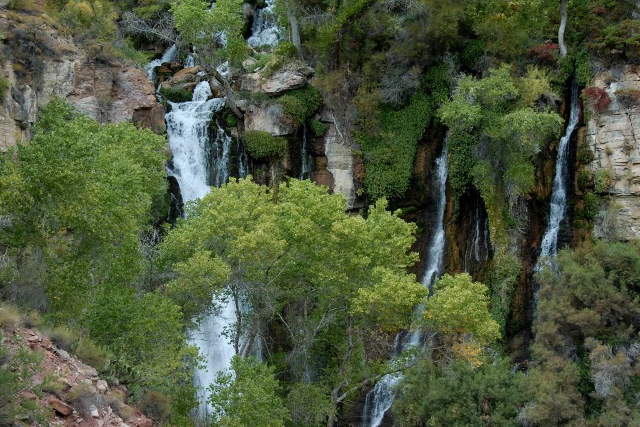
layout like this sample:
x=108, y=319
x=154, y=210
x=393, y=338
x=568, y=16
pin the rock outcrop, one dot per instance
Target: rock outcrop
x=40, y=63
x=292, y=76
x=74, y=394
x=613, y=136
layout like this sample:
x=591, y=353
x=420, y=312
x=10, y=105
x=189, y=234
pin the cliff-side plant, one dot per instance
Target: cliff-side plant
x=598, y=98
x=262, y=144
x=318, y=128
x=300, y=104
x=4, y=86
x=176, y=94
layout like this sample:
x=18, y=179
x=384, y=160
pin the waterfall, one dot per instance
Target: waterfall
x=265, y=31
x=168, y=56
x=558, y=206
x=221, y=153
x=478, y=249
x=379, y=400
x=188, y=131
x=305, y=156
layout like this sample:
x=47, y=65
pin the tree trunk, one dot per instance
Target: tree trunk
x=563, y=26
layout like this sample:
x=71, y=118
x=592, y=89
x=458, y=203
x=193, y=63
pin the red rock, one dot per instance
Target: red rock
x=59, y=406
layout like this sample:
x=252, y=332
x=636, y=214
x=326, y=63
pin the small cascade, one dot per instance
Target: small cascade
x=265, y=31
x=220, y=159
x=243, y=161
x=379, y=400
x=305, y=157
x=168, y=56
x=558, y=206
x=188, y=132
x=190, y=61
x=478, y=248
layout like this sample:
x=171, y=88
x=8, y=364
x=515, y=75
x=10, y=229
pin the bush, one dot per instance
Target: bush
x=262, y=144
x=598, y=98
x=91, y=354
x=9, y=317
x=84, y=397
x=318, y=128
x=176, y=94
x=300, y=104
x=26, y=5
x=64, y=338
x=4, y=86
x=155, y=405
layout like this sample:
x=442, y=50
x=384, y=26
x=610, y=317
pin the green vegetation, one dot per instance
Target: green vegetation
x=497, y=112
x=249, y=396
x=5, y=85
x=176, y=94
x=584, y=349
x=262, y=144
x=300, y=104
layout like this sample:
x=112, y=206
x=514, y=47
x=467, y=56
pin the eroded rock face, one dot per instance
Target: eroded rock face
x=614, y=136
x=340, y=164
x=41, y=64
x=268, y=118
x=293, y=76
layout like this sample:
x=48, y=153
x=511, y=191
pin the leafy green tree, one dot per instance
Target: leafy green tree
x=585, y=363
x=248, y=396
x=299, y=260
x=460, y=306
x=200, y=25
x=495, y=131
x=459, y=394
x=81, y=192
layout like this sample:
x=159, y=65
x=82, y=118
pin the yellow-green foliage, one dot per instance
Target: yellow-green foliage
x=262, y=144
x=460, y=306
x=155, y=405
x=9, y=316
x=4, y=86
x=64, y=338
x=91, y=354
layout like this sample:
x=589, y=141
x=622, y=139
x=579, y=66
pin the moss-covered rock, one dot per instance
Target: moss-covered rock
x=262, y=144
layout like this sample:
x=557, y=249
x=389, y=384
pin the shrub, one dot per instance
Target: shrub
x=598, y=98
x=9, y=317
x=91, y=354
x=318, y=128
x=546, y=53
x=33, y=319
x=64, y=338
x=84, y=396
x=300, y=104
x=176, y=94
x=155, y=405
x=4, y=86
x=262, y=144
x=21, y=5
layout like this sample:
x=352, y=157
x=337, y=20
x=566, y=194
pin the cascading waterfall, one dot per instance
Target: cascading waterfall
x=558, y=206
x=478, y=249
x=168, y=56
x=380, y=399
x=188, y=131
x=265, y=31
x=305, y=156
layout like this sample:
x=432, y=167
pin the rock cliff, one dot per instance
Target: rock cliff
x=613, y=135
x=40, y=63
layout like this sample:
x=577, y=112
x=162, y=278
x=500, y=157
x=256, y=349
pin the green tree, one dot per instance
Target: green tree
x=248, y=396
x=299, y=260
x=460, y=306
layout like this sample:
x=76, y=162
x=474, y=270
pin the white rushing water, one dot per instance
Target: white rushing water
x=265, y=31
x=478, y=249
x=188, y=132
x=305, y=157
x=558, y=206
x=380, y=399
x=168, y=56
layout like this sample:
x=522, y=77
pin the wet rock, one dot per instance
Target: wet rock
x=292, y=76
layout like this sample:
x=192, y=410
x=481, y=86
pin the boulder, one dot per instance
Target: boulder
x=59, y=406
x=151, y=118
x=268, y=118
x=185, y=75
x=291, y=76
